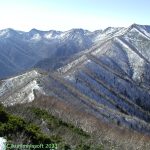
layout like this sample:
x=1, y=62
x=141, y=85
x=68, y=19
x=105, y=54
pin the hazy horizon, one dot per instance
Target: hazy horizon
x=64, y=15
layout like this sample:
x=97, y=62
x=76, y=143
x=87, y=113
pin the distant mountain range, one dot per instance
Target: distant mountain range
x=105, y=73
x=20, y=50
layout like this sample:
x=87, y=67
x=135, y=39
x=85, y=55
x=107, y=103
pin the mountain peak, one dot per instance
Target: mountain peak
x=7, y=32
x=34, y=30
x=78, y=30
x=134, y=25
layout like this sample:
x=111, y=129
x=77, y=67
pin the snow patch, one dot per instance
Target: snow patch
x=2, y=143
x=36, y=37
x=48, y=36
x=4, y=33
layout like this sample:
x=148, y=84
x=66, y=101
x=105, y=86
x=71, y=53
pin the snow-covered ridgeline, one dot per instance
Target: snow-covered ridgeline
x=25, y=94
x=135, y=60
x=11, y=83
x=21, y=88
x=142, y=33
x=142, y=30
x=110, y=33
x=71, y=65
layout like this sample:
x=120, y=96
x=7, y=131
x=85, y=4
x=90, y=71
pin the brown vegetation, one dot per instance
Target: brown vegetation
x=109, y=135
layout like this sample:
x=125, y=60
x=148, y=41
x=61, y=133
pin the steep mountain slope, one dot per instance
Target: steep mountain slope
x=68, y=105
x=109, y=81
x=113, y=75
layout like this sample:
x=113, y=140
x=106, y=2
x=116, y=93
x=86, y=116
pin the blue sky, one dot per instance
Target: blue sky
x=67, y=14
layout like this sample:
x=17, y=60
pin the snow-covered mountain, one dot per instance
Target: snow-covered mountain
x=110, y=80
x=20, y=50
x=20, y=89
x=114, y=75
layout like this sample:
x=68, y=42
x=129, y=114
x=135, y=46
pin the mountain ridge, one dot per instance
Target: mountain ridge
x=102, y=74
x=38, y=47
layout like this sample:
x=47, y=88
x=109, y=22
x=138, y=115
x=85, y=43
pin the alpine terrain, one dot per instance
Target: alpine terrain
x=91, y=90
